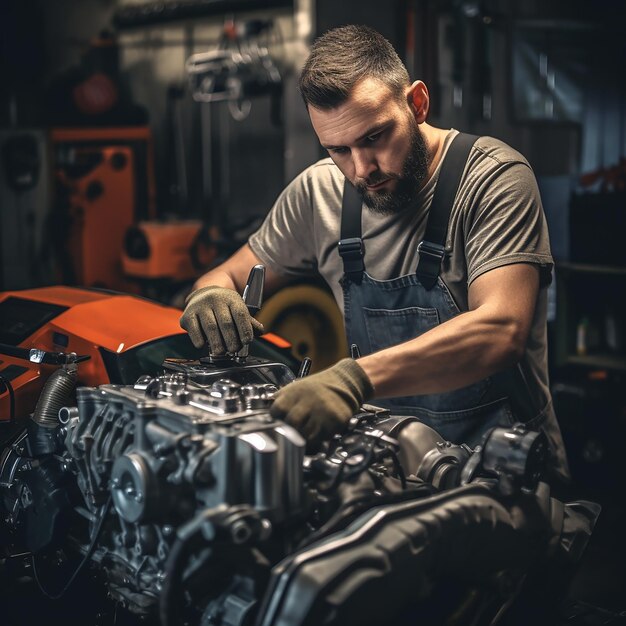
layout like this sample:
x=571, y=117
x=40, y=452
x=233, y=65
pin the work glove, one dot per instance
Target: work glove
x=322, y=404
x=219, y=317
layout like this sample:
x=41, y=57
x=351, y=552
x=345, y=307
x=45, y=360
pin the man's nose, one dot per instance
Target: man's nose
x=364, y=163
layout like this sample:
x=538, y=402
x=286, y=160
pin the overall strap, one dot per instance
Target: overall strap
x=350, y=244
x=432, y=247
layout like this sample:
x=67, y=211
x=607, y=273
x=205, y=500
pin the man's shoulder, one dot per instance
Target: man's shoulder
x=324, y=168
x=492, y=151
x=321, y=181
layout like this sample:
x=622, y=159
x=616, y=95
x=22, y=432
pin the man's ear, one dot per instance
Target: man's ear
x=418, y=100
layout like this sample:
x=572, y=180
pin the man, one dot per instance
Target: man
x=461, y=342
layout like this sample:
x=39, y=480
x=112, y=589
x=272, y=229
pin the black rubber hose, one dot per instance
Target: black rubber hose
x=54, y=396
x=190, y=538
x=170, y=611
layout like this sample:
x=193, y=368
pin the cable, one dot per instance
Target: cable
x=88, y=555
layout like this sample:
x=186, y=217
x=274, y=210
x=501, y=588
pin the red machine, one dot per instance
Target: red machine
x=168, y=250
x=100, y=210
x=104, y=185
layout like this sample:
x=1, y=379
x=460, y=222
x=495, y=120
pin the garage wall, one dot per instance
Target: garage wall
x=233, y=168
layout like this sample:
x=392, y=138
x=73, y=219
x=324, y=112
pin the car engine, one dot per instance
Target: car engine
x=196, y=506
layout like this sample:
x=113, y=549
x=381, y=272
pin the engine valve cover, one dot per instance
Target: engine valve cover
x=208, y=444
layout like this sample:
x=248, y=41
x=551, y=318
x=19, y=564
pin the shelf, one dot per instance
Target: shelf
x=602, y=361
x=153, y=13
x=590, y=268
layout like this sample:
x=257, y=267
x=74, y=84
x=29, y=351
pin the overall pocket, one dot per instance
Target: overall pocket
x=387, y=327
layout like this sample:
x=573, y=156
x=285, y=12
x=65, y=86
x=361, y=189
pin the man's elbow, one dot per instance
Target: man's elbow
x=513, y=342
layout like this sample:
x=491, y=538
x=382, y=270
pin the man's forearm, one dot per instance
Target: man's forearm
x=457, y=353
x=231, y=274
x=217, y=277
x=234, y=272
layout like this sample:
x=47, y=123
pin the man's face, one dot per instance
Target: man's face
x=375, y=141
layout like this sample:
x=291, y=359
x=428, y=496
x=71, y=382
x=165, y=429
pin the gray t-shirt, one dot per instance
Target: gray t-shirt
x=497, y=219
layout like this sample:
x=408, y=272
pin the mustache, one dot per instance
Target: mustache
x=375, y=178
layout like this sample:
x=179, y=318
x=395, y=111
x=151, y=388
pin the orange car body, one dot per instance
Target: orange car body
x=123, y=336
x=87, y=321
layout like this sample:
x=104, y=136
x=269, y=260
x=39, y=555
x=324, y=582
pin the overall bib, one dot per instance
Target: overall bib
x=382, y=313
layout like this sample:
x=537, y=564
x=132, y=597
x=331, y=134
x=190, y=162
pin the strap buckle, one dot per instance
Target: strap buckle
x=429, y=264
x=351, y=248
x=352, y=251
x=434, y=251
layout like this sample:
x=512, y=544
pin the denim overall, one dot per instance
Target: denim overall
x=383, y=313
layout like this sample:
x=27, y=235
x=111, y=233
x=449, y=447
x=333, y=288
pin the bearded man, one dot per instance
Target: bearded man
x=434, y=244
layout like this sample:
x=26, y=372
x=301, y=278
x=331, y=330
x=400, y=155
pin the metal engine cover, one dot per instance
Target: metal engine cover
x=167, y=444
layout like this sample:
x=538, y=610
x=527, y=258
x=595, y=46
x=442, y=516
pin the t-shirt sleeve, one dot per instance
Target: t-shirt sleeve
x=284, y=241
x=506, y=224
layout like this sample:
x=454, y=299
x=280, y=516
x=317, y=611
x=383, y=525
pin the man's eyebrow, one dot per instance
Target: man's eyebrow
x=370, y=131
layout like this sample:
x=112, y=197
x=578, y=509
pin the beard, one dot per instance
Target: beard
x=409, y=180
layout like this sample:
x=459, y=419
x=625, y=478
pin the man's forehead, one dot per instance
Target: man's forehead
x=371, y=90
x=371, y=102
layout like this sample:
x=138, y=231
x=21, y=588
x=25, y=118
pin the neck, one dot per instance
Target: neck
x=434, y=138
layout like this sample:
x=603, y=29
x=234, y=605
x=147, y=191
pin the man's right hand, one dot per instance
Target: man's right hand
x=219, y=317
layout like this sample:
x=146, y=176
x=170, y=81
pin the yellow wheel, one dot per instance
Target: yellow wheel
x=308, y=317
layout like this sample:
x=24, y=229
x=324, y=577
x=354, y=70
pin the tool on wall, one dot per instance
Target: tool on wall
x=239, y=69
x=181, y=246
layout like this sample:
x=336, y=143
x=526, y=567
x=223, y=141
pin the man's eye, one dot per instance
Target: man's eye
x=340, y=150
x=373, y=138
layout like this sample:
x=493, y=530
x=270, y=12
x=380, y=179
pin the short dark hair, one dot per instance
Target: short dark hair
x=342, y=57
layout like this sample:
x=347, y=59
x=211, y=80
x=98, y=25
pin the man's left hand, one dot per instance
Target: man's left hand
x=321, y=405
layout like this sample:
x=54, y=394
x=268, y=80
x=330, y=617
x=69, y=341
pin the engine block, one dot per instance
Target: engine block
x=167, y=444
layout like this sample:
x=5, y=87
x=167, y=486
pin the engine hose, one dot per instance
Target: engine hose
x=54, y=396
x=182, y=549
x=189, y=539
